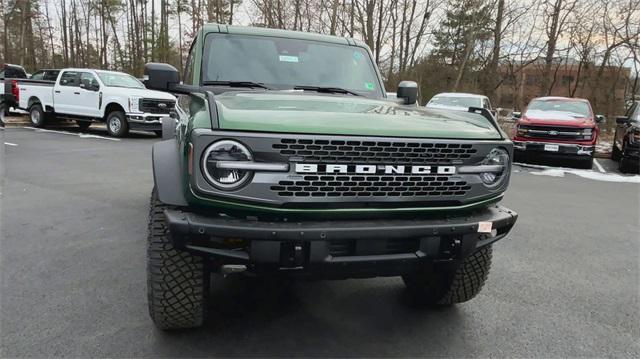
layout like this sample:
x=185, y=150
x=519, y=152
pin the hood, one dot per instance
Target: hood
x=555, y=118
x=446, y=107
x=150, y=94
x=305, y=112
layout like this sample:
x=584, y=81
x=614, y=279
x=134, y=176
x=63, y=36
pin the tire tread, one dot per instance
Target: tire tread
x=175, y=278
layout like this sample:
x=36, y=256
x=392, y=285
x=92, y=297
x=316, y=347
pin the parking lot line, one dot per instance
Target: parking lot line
x=10, y=144
x=600, y=168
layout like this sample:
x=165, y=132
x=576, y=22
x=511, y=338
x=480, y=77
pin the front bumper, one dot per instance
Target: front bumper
x=348, y=248
x=146, y=121
x=564, y=149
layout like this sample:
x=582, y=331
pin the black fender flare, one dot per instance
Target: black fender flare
x=167, y=173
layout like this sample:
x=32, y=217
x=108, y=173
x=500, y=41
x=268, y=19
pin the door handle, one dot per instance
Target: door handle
x=76, y=93
x=57, y=91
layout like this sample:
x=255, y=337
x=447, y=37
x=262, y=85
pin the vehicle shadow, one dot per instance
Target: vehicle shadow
x=99, y=130
x=550, y=161
x=353, y=318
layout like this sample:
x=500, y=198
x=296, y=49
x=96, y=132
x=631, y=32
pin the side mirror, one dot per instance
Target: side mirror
x=408, y=90
x=516, y=115
x=159, y=76
x=600, y=118
x=620, y=120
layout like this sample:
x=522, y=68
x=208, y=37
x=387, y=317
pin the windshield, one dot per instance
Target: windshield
x=285, y=63
x=455, y=101
x=574, y=108
x=112, y=79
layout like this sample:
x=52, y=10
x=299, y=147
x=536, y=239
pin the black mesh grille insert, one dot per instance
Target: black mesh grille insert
x=345, y=248
x=348, y=151
x=340, y=185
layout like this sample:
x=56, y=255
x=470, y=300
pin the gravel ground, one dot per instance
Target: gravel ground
x=565, y=283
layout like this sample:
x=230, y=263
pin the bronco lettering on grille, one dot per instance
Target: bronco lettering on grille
x=373, y=169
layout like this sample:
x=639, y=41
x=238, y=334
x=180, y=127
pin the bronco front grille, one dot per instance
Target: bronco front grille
x=387, y=152
x=341, y=185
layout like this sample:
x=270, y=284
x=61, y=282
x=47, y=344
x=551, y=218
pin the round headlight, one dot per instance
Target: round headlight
x=226, y=150
x=497, y=157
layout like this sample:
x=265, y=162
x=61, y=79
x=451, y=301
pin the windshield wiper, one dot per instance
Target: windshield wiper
x=237, y=84
x=327, y=90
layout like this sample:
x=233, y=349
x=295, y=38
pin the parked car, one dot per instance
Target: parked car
x=558, y=127
x=459, y=101
x=290, y=160
x=47, y=75
x=626, y=141
x=8, y=88
x=87, y=95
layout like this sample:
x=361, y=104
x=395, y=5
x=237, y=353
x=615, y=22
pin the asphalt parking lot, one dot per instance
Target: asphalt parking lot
x=566, y=283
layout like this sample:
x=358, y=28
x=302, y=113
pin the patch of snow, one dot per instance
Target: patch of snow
x=588, y=174
x=604, y=147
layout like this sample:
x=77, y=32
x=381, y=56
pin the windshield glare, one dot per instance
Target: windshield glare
x=455, y=101
x=576, y=108
x=120, y=80
x=284, y=63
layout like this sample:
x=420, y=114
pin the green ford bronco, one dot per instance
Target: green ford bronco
x=285, y=157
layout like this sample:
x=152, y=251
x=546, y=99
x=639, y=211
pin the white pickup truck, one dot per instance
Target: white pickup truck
x=87, y=96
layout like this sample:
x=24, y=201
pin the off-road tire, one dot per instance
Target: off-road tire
x=447, y=288
x=120, y=130
x=83, y=125
x=616, y=154
x=176, y=279
x=37, y=116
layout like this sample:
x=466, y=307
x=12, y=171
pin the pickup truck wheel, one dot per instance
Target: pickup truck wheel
x=626, y=165
x=446, y=288
x=176, y=280
x=615, y=152
x=117, y=125
x=586, y=163
x=37, y=115
x=3, y=113
x=83, y=124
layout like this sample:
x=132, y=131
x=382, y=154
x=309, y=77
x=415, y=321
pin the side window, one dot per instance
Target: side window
x=486, y=104
x=70, y=78
x=191, y=59
x=38, y=76
x=635, y=115
x=87, y=79
x=51, y=75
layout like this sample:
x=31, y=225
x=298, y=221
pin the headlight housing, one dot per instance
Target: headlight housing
x=521, y=130
x=226, y=150
x=134, y=104
x=587, y=133
x=497, y=157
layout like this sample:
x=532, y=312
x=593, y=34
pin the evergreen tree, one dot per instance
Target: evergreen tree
x=466, y=23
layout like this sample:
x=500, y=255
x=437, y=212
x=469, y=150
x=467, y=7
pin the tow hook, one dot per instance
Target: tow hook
x=232, y=269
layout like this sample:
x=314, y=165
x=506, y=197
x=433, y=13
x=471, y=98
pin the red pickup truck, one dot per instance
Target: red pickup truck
x=559, y=127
